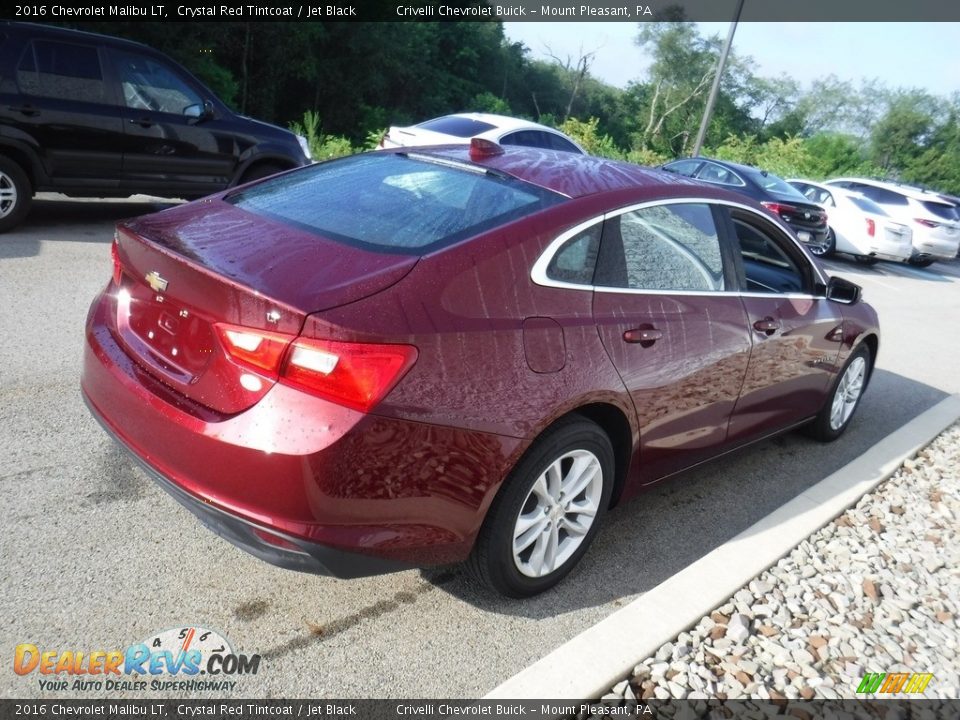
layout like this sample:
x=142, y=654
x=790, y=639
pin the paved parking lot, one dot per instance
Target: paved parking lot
x=95, y=557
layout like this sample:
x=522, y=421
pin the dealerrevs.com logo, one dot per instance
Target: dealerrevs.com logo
x=179, y=659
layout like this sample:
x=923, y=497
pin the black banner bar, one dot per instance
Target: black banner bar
x=253, y=709
x=487, y=10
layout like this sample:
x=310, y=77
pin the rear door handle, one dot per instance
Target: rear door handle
x=28, y=110
x=644, y=336
x=142, y=122
x=768, y=325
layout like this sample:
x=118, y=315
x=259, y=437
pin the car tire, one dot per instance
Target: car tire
x=260, y=171
x=844, y=397
x=922, y=262
x=526, y=545
x=16, y=195
x=865, y=260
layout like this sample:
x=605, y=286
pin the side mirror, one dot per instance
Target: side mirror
x=843, y=291
x=199, y=112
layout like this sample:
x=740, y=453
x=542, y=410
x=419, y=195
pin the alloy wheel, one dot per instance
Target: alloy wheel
x=848, y=393
x=557, y=513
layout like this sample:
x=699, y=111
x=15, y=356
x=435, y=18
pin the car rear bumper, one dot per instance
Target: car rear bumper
x=303, y=556
x=942, y=249
x=298, y=481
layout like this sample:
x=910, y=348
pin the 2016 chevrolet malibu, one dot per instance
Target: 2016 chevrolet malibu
x=403, y=359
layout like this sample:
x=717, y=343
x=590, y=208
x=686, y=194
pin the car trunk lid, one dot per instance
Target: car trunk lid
x=195, y=279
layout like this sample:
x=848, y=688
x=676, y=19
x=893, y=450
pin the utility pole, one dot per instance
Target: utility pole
x=715, y=89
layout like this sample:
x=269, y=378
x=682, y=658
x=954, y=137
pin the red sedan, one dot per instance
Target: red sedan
x=418, y=357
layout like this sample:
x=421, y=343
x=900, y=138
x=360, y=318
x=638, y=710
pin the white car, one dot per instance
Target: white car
x=858, y=226
x=936, y=230
x=461, y=128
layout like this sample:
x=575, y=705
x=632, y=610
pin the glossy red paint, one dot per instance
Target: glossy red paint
x=499, y=359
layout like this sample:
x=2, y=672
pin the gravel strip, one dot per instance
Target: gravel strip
x=875, y=591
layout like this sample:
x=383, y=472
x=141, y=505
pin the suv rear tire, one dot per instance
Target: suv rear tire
x=15, y=194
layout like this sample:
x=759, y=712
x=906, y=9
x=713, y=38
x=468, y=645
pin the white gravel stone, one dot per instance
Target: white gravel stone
x=822, y=589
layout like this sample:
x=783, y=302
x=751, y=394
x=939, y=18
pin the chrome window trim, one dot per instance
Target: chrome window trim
x=538, y=274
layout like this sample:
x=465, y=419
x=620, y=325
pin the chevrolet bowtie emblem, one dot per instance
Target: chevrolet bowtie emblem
x=155, y=281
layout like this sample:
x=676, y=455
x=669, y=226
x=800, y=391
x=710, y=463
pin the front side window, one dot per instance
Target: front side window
x=711, y=172
x=65, y=71
x=683, y=167
x=664, y=247
x=769, y=268
x=150, y=85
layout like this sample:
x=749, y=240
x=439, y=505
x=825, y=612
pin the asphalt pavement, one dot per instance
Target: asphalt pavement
x=94, y=556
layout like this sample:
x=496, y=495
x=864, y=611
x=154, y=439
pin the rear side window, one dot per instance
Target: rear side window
x=664, y=247
x=576, y=260
x=882, y=195
x=61, y=70
x=457, y=126
x=394, y=203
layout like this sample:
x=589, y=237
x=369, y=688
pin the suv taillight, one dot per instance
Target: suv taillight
x=356, y=375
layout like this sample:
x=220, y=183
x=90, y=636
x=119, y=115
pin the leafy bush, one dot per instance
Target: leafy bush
x=322, y=147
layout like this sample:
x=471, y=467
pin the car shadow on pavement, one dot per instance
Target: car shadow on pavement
x=58, y=218
x=648, y=539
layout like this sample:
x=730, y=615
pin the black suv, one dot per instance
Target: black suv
x=807, y=220
x=95, y=116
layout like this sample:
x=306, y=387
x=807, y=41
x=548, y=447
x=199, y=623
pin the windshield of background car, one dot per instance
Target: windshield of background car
x=457, y=126
x=777, y=186
x=394, y=202
x=867, y=205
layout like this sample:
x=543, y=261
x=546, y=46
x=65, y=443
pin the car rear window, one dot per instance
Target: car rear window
x=394, y=202
x=457, y=126
x=941, y=210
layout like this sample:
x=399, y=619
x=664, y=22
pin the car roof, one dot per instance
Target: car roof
x=52, y=31
x=569, y=174
x=905, y=190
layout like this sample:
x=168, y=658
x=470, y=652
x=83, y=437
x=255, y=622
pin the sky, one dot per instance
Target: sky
x=925, y=55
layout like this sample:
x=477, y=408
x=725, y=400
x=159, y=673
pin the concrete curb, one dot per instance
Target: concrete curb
x=591, y=663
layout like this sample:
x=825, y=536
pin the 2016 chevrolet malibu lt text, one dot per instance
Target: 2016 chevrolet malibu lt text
x=411, y=358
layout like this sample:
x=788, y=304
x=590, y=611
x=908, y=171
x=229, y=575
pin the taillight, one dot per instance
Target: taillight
x=482, y=148
x=871, y=227
x=358, y=375
x=779, y=208
x=259, y=349
x=117, y=267
x=927, y=223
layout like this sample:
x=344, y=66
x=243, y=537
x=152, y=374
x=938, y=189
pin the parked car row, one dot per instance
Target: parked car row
x=869, y=219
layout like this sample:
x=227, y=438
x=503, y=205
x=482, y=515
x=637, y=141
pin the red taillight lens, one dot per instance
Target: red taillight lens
x=357, y=375
x=117, y=267
x=779, y=208
x=482, y=148
x=259, y=349
x=871, y=227
x=927, y=223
